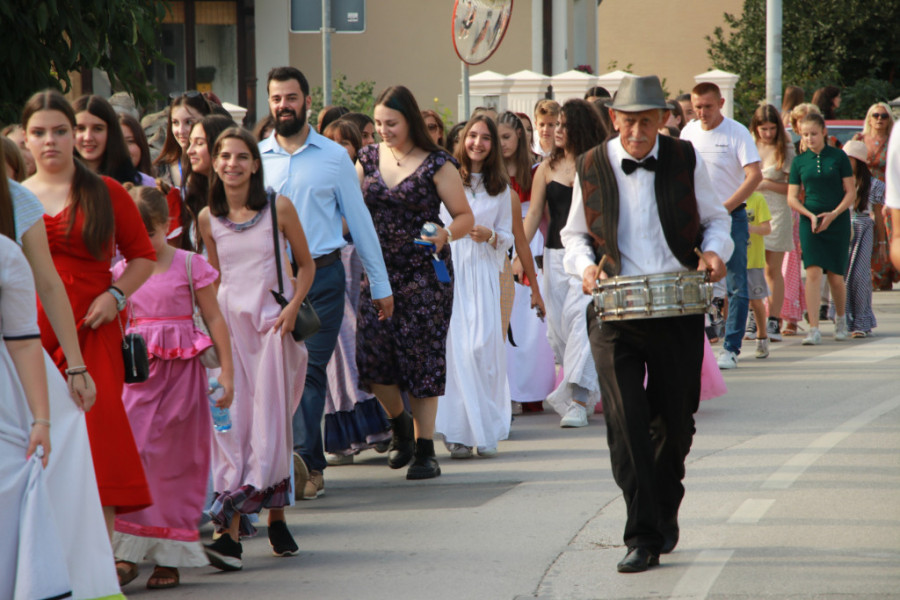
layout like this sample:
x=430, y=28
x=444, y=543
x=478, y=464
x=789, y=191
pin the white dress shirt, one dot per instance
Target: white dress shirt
x=642, y=242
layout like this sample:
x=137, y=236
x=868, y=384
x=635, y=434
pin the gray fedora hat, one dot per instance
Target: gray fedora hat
x=637, y=94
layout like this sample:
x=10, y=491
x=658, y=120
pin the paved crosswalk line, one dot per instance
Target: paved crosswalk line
x=785, y=476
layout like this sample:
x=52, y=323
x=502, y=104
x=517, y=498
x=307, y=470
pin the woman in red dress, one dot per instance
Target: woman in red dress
x=85, y=215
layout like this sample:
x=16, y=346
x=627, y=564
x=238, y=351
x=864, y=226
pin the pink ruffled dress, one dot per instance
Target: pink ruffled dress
x=170, y=418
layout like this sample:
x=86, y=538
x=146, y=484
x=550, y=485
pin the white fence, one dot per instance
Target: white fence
x=520, y=91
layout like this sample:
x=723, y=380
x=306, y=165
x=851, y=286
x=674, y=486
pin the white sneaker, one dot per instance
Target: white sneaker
x=813, y=338
x=485, y=452
x=576, y=416
x=727, y=360
x=762, y=347
x=459, y=450
x=840, y=329
x=336, y=460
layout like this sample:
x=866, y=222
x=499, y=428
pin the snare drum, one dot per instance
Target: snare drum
x=653, y=296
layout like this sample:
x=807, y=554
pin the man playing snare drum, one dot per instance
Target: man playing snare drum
x=646, y=204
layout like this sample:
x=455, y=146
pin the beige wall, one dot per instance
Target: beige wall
x=660, y=37
x=408, y=42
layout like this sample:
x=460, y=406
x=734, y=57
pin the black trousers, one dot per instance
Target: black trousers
x=649, y=430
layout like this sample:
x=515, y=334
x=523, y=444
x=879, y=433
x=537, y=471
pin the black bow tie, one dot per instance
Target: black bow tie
x=629, y=166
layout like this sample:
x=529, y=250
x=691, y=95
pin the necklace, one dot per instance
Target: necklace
x=402, y=157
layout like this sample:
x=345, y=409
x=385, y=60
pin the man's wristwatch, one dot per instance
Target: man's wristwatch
x=119, y=295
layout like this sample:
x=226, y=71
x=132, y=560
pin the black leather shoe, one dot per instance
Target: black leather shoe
x=425, y=466
x=669, y=530
x=403, y=445
x=637, y=560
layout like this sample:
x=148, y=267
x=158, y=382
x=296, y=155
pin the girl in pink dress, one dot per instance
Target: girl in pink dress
x=168, y=413
x=252, y=463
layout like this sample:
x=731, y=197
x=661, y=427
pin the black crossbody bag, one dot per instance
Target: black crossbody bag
x=307, y=322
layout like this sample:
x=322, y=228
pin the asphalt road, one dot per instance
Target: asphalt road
x=793, y=492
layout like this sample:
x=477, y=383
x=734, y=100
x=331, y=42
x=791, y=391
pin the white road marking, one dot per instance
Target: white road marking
x=860, y=353
x=797, y=464
x=751, y=511
x=701, y=575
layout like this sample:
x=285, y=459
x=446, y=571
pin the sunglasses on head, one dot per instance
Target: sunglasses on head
x=187, y=94
x=879, y=115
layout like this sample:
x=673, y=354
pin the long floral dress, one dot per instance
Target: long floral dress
x=407, y=350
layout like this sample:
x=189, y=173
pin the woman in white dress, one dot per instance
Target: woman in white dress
x=475, y=410
x=579, y=130
x=28, y=568
x=531, y=369
x=70, y=478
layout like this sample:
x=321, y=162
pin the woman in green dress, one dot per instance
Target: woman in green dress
x=826, y=178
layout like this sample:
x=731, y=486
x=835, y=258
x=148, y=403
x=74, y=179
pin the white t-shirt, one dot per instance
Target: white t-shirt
x=892, y=173
x=726, y=150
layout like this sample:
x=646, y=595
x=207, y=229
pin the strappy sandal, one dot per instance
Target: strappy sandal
x=167, y=574
x=126, y=571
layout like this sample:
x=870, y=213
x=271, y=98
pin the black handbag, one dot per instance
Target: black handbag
x=134, y=355
x=307, y=323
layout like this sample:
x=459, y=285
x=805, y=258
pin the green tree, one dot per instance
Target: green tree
x=46, y=40
x=359, y=97
x=824, y=42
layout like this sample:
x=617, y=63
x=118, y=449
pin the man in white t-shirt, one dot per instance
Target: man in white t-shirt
x=733, y=164
x=892, y=195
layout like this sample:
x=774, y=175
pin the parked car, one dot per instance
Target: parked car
x=842, y=129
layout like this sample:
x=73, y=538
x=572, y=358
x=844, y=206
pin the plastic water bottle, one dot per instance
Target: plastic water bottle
x=429, y=230
x=221, y=417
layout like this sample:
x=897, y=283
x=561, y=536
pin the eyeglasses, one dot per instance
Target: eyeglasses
x=434, y=127
x=187, y=94
x=879, y=116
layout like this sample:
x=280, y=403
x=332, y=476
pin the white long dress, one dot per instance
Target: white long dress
x=32, y=564
x=530, y=366
x=475, y=409
x=69, y=476
x=567, y=332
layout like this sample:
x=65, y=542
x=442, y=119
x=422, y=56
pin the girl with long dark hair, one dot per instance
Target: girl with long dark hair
x=777, y=153
x=530, y=367
x=99, y=140
x=869, y=194
x=270, y=367
x=86, y=216
x=579, y=130
x=138, y=148
x=198, y=171
x=405, y=181
x=474, y=410
x=184, y=112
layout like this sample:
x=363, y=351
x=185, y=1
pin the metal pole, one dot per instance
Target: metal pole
x=326, y=52
x=465, y=91
x=773, y=52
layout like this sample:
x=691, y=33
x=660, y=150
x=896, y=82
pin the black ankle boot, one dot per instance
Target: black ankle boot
x=425, y=466
x=402, y=447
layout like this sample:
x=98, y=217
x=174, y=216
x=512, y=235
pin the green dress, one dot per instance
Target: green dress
x=821, y=176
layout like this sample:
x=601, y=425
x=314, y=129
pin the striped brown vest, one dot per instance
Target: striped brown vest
x=675, y=201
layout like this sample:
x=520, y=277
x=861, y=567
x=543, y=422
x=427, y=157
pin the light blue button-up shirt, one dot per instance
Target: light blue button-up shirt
x=320, y=180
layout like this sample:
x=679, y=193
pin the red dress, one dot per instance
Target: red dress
x=120, y=476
